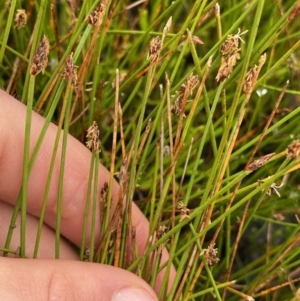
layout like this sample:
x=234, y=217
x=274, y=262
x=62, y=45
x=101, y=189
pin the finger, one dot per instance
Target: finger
x=69, y=280
x=12, y=119
x=47, y=241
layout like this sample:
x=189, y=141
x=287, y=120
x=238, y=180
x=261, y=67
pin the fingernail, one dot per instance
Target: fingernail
x=132, y=294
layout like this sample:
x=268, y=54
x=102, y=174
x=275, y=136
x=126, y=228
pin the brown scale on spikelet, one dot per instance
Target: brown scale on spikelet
x=40, y=59
x=293, y=150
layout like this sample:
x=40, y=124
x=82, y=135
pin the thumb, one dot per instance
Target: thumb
x=29, y=279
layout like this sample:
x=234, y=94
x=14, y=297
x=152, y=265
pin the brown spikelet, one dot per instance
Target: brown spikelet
x=197, y=41
x=40, y=59
x=210, y=255
x=252, y=75
x=93, y=134
x=226, y=67
x=103, y=194
x=70, y=70
x=185, y=212
x=190, y=84
x=96, y=17
x=154, y=49
x=123, y=171
x=231, y=44
x=250, y=80
x=293, y=150
x=259, y=162
x=20, y=18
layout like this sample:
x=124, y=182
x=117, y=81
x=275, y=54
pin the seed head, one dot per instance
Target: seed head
x=20, y=18
x=185, y=212
x=154, y=49
x=96, y=17
x=40, y=59
x=210, y=255
x=70, y=70
x=260, y=162
x=226, y=67
x=93, y=134
x=293, y=150
x=231, y=44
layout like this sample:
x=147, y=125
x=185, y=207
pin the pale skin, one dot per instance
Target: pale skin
x=47, y=278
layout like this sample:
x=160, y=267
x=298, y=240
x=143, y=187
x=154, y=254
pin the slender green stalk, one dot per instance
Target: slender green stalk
x=65, y=114
x=26, y=167
x=8, y=27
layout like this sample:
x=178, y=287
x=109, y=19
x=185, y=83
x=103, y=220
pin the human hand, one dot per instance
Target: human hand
x=47, y=278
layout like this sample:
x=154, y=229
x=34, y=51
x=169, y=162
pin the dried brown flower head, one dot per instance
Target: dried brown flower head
x=93, y=134
x=177, y=106
x=250, y=80
x=96, y=17
x=191, y=82
x=231, y=44
x=187, y=87
x=123, y=171
x=260, y=162
x=20, y=18
x=293, y=150
x=162, y=229
x=154, y=49
x=185, y=212
x=226, y=67
x=103, y=193
x=70, y=70
x=210, y=255
x=252, y=75
x=40, y=59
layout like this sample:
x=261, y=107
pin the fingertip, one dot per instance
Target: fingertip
x=69, y=280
